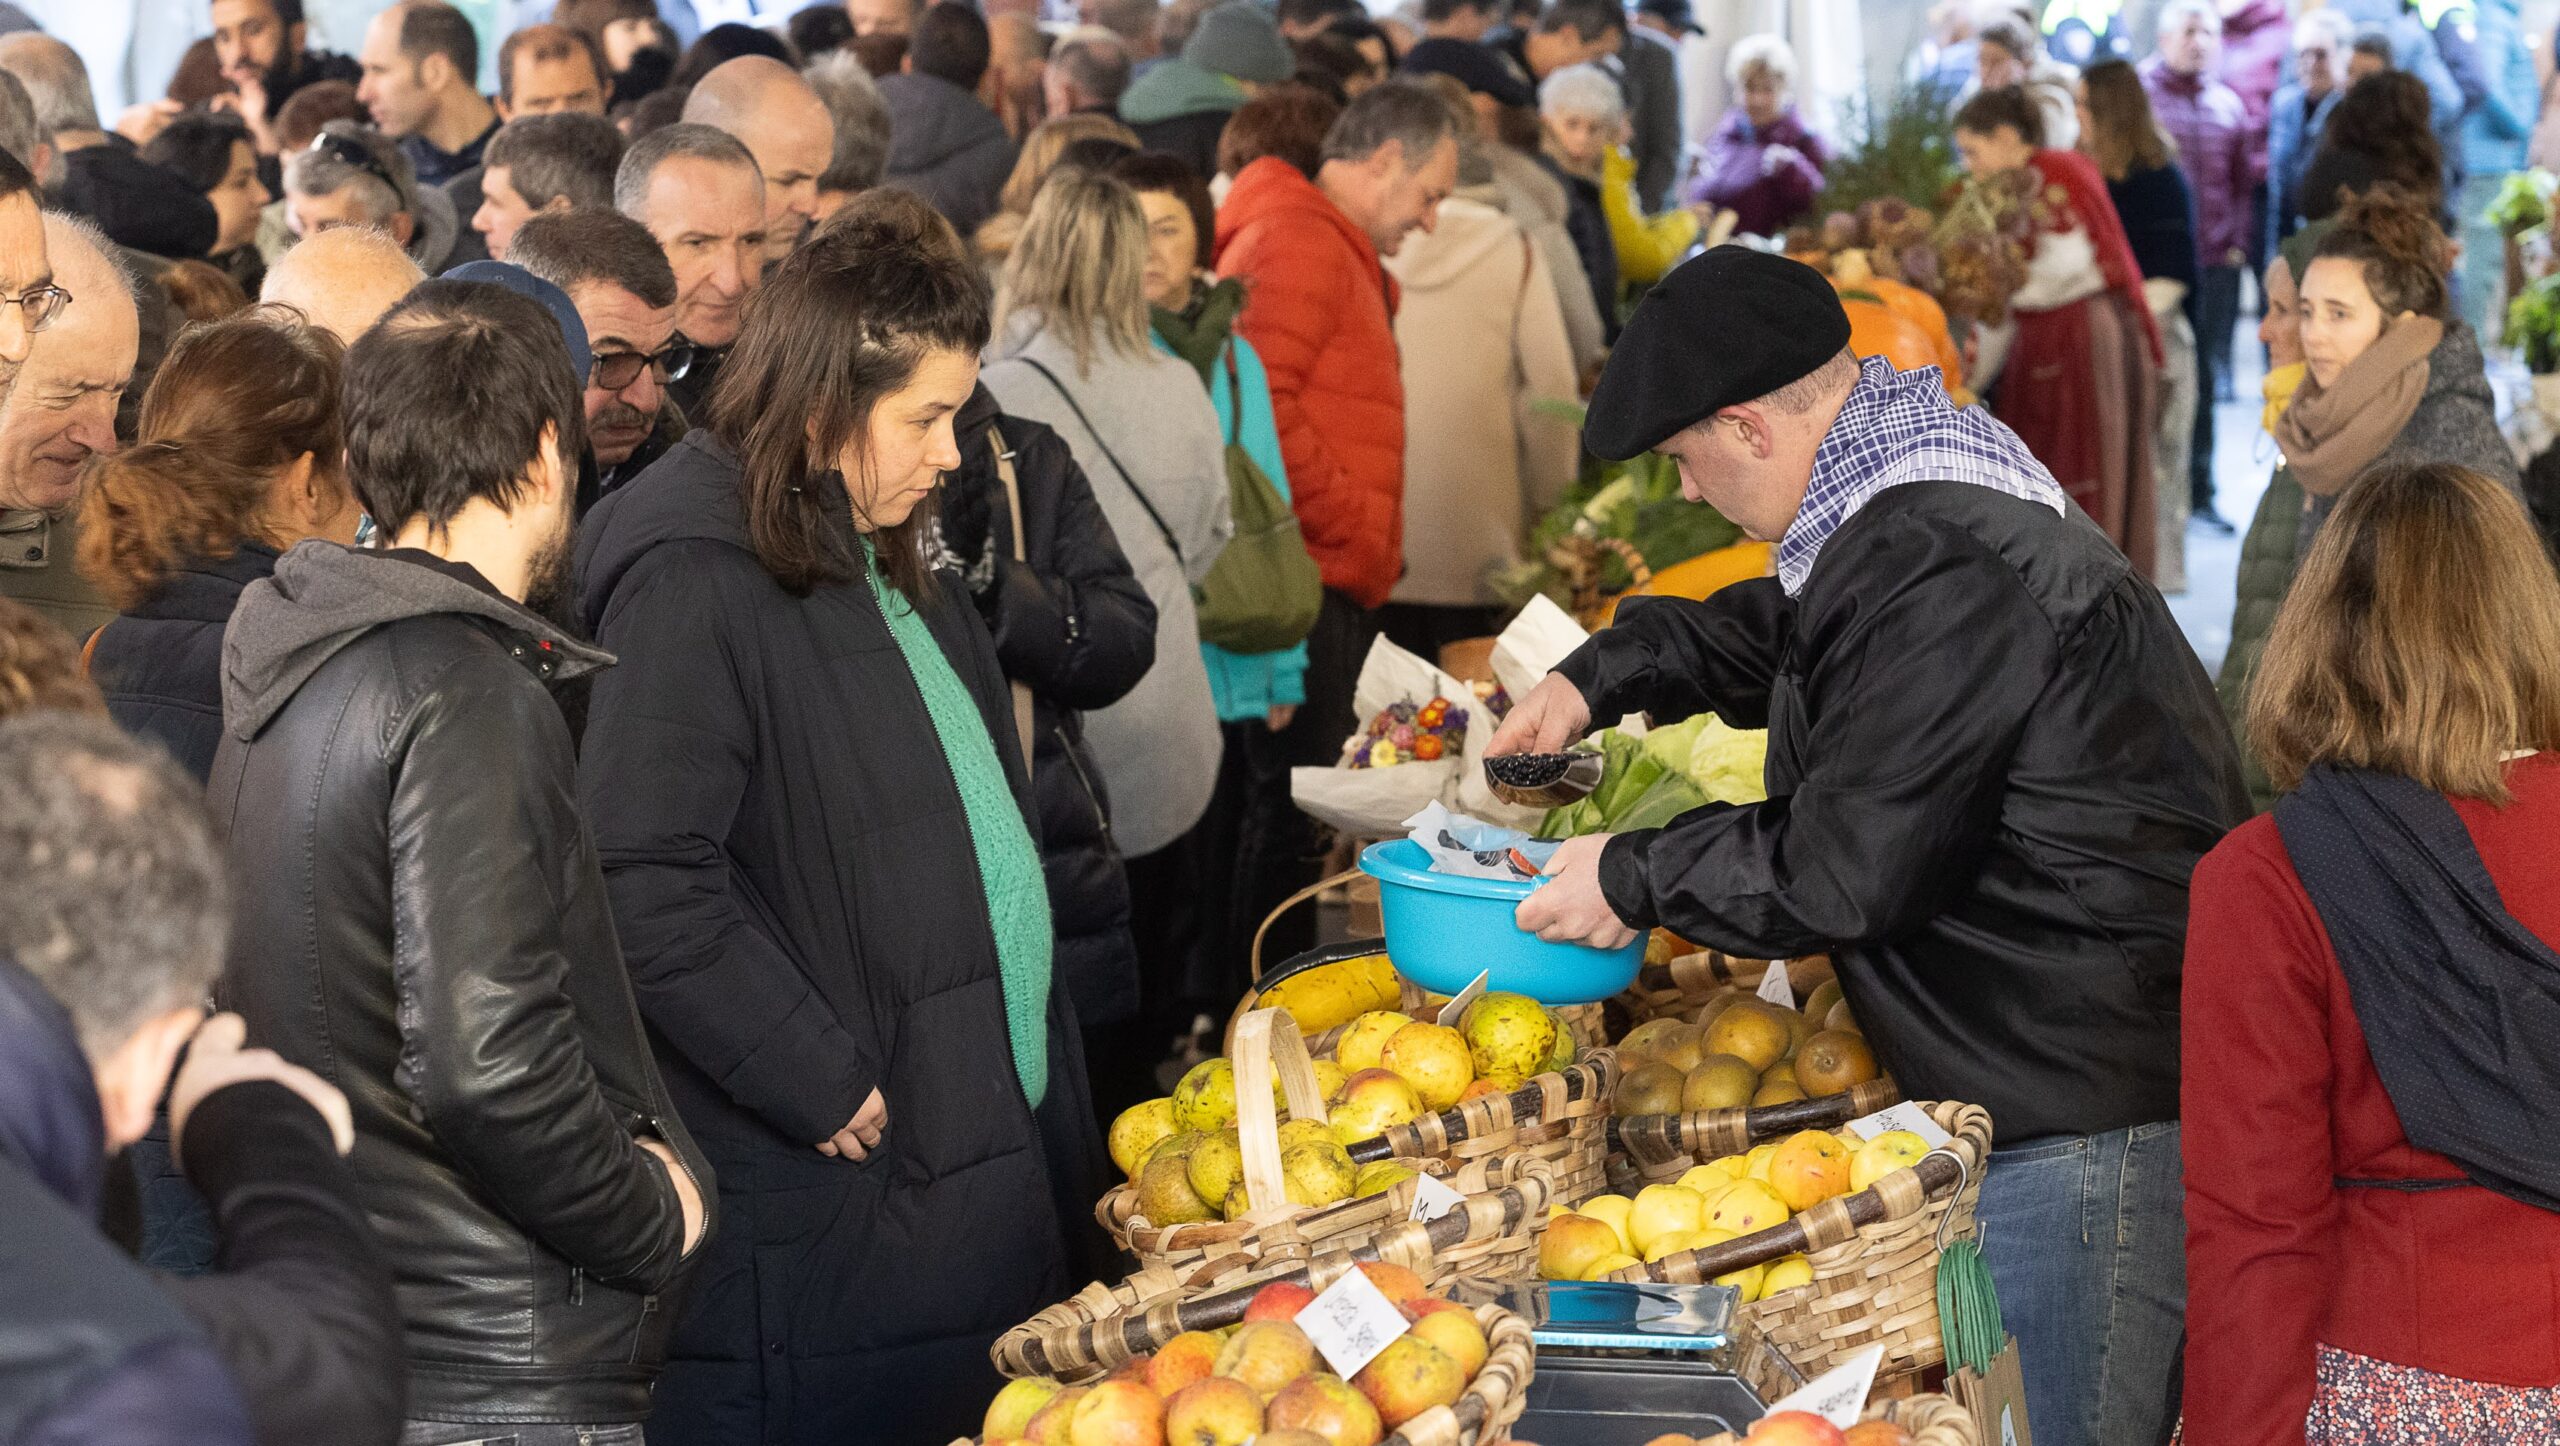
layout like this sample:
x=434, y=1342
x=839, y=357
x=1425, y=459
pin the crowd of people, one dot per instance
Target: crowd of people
x=701, y=657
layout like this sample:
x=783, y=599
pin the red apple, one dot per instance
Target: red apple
x=1188, y=1357
x=1119, y=1412
x=1327, y=1406
x=1394, y=1282
x=1213, y=1412
x=1280, y=1300
x=1408, y=1378
x=1794, y=1428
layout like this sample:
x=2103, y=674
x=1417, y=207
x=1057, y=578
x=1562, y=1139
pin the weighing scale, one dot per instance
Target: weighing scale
x=1619, y=1364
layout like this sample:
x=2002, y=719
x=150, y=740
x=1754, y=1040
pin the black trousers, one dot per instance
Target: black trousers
x=2217, y=318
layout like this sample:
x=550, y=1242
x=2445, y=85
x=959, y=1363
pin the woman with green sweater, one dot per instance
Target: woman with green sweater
x=1256, y=693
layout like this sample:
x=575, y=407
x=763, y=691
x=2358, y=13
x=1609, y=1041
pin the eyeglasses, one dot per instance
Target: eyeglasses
x=41, y=303
x=614, y=370
x=349, y=151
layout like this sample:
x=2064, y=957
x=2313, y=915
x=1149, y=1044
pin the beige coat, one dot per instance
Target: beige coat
x=1482, y=342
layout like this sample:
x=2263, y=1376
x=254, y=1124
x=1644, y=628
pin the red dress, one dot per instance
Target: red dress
x=2280, y=1099
x=2081, y=382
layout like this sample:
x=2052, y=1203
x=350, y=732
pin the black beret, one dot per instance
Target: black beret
x=1732, y=325
x=1480, y=68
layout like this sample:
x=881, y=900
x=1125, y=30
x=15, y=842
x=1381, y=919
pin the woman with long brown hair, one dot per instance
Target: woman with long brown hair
x=2368, y=1078
x=240, y=454
x=804, y=782
x=2140, y=163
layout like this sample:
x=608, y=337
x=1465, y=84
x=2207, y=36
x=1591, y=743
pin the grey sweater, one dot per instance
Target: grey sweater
x=1159, y=747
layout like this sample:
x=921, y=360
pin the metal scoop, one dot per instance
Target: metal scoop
x=1544, y=780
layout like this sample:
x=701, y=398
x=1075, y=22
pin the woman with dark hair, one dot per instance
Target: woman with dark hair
x=2079, y=382
x=2367, y=1078
x=240, y=454
x=723, y=43
x=2391, y=376
x=2379, y=134
x=2119, y=132
x=806, y=784
x=1288, y=121
x=213, y=152
x=1193, y=314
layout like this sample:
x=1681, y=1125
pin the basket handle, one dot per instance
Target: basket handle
x=1291, y=902
x=1267, y=1041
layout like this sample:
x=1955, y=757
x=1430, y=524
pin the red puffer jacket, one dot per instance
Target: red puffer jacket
x=1322, y=314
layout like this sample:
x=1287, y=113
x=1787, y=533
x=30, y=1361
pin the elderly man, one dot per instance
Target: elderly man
x=353, y=176
x=260, y=47
x=421, y=66
x=136, y=203
x=543, y=163
x=626, y=297
x=61, y=413
x=1993, y=763
x=784, y=125
x=1089, y=71
x=343, y=279
x=30, y=300
x=700, y=195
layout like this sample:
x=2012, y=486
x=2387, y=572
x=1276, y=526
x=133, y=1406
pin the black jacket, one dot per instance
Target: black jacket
x=92, y=1351
x=160, y=664
x=1193, y=137
x=1993, y=763
x=798, y=897
x=1588, y=227
x=136, y=203
x=423, y=923
x=1073, y=624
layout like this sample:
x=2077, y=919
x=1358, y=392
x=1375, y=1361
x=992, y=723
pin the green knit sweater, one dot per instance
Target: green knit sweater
x=1008, y=862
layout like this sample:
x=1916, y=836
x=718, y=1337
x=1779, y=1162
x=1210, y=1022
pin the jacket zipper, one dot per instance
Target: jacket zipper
x=658, y=1128
x=1084, y=780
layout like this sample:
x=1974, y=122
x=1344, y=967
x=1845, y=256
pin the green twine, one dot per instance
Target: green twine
x=1968, y=1308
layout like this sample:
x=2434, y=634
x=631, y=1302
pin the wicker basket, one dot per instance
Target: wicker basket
x=1103, y=1327
x=1682, y=987
x=1508, y=1155
x=1931, y=1420
x=1875, y=1263
x=1660, y=1148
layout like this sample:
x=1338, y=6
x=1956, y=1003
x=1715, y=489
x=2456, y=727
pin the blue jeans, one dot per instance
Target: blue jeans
x=2086, y=1240
x=456, y=1433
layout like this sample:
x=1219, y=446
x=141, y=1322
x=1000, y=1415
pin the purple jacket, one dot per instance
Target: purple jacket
x=2216, y=150
x=1732, y=175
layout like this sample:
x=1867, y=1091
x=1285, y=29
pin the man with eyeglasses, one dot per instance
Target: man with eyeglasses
x=60, y=413
x=625, y=293
x=28, y=298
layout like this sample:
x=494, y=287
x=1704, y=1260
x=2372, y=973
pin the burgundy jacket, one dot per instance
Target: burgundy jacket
x=1732, y=175
x=2211, y=126
x=2257, y=56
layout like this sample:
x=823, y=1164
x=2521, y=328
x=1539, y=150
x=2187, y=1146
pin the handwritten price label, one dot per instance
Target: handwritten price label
x=1350, y=1323
x=1775, y=987
x=1433, y=1199
x=1904, y=1116
x=1839, y=1395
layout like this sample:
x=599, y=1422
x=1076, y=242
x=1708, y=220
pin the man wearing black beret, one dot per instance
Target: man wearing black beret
x=1993, y=763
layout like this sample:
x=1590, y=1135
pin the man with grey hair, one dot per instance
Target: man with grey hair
x=861, y=124
x=135, y=202
x=701, y=196
x=353, y=176
x=1311, y=254
x=343, y=279
x=783, y=124
x=1088, y=72
x=59, y=415
x=111, y=934
x=20, y=136
x=538, y=163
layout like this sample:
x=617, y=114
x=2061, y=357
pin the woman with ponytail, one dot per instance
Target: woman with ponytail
x=2390, y=376
x=239, y=455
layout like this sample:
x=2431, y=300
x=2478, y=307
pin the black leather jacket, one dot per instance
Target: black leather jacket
x=422, y=921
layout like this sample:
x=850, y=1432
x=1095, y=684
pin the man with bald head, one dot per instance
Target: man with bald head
x=785, y=126
x=343, y=279
x=61, y=413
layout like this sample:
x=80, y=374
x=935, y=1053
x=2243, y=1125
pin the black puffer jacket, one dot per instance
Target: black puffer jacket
x=160, y=664
x=1072, y=622
x=798, y=896
x=422, y=922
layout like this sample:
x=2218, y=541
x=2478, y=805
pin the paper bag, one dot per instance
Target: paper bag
x=1996, y=1397
x=1541, y=637
x=1373, y=803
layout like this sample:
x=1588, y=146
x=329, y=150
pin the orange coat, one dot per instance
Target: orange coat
x=1321, y=312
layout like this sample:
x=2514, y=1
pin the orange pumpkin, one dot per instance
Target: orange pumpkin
x=1923, y=310
x=1905, y=326
x=1700, y=575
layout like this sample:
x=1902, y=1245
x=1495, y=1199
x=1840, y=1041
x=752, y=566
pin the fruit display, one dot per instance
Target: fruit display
x=1261, y=1380
x=1409, y=732
x=1328, y=996
x=1183, y=1153
x=1915, y=1420
x=1739, y=1050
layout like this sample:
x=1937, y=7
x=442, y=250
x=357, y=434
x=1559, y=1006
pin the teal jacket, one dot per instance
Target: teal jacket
x=1249, y=685
x=1177, y=87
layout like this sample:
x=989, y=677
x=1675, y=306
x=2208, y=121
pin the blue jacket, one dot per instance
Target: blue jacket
x=2292, y=140
x=92, y=1353
x=2496, y=133
x=1249, y=685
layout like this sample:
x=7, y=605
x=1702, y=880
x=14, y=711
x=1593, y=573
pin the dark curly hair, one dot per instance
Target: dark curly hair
x=2385, y=119
x=2392, y=233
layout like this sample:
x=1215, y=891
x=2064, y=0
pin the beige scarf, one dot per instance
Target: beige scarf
x=2330, y=434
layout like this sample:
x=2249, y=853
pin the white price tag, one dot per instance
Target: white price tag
x=1774, y=986
x=2008, y=1428
x=1433, y=1199
x=1904, y=1116
x=1353, y=1321
x=1838, y=1395
x=1456, y=1009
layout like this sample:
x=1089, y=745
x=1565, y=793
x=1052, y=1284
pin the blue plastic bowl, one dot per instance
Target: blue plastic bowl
x=1443, y=930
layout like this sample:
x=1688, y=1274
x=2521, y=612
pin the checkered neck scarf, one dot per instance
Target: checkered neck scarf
x=1899, y=427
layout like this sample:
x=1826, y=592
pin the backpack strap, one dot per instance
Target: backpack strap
x=1112, y=457
x=1235, y=398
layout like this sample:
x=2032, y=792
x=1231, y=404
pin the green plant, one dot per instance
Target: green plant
x=1637, y=502
x=1908, y=152
x=2523, y=202
x=2533, y=323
